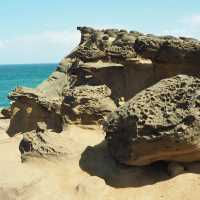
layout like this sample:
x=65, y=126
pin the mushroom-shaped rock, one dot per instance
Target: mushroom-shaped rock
x=160, y=123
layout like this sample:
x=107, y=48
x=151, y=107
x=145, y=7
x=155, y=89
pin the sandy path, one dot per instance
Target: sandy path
x=82, y=174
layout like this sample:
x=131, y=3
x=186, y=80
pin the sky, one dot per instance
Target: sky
x=43, y=31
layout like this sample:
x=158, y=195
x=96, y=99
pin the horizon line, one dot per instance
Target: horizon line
x=39, y=63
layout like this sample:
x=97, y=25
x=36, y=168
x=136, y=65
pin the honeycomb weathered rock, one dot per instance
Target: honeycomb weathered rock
x=160, y=123
x=121, y=62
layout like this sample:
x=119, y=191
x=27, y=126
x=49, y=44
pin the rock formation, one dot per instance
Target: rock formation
x=6, y=112
x=160, y=123
x=143, y=90
x=107, y=69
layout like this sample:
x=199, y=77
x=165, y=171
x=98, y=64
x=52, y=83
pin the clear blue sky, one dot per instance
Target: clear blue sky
x=39, y=31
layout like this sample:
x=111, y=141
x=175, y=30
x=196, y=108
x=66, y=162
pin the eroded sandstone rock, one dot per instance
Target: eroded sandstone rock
x=87, y=104
x=30, y=107
x=124, y=62
x=6, y=112
x=106, y=70
x=160, y=123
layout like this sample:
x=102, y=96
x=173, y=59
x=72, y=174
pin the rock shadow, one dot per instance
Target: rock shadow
x=97, y=161
x=2, y=117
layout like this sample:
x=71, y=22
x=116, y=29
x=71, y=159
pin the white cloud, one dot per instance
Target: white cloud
x=178, y=32
x=49, y=37
x=2, y=45
x=186, y=26
x=175, y=32
x=192, y=20
x=47, y=46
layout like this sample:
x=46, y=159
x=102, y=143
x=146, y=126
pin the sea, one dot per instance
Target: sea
x=29, y=75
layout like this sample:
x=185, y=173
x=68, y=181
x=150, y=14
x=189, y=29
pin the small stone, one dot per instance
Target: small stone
x=6, y=112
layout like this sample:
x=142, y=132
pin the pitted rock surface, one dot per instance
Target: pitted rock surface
x=87, y=104
x=125, y=62
x=160, y=123
x=107, y=69
x=122, y=45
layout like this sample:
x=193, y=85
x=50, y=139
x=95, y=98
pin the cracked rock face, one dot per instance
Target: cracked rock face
x=160, y=123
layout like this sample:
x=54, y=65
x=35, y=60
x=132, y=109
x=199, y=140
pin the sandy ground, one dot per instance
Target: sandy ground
x=87, y=173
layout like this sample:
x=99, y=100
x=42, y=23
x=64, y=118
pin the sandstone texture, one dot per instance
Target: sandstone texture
x=116, y=63
x=87, y=172
x=106, y=122
x=107, y=69
x=160, y=123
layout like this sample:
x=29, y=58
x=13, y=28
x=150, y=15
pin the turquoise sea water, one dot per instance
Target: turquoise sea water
x=29, y=75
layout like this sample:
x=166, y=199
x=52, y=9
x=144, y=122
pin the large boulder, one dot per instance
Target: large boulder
x=160, y=123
